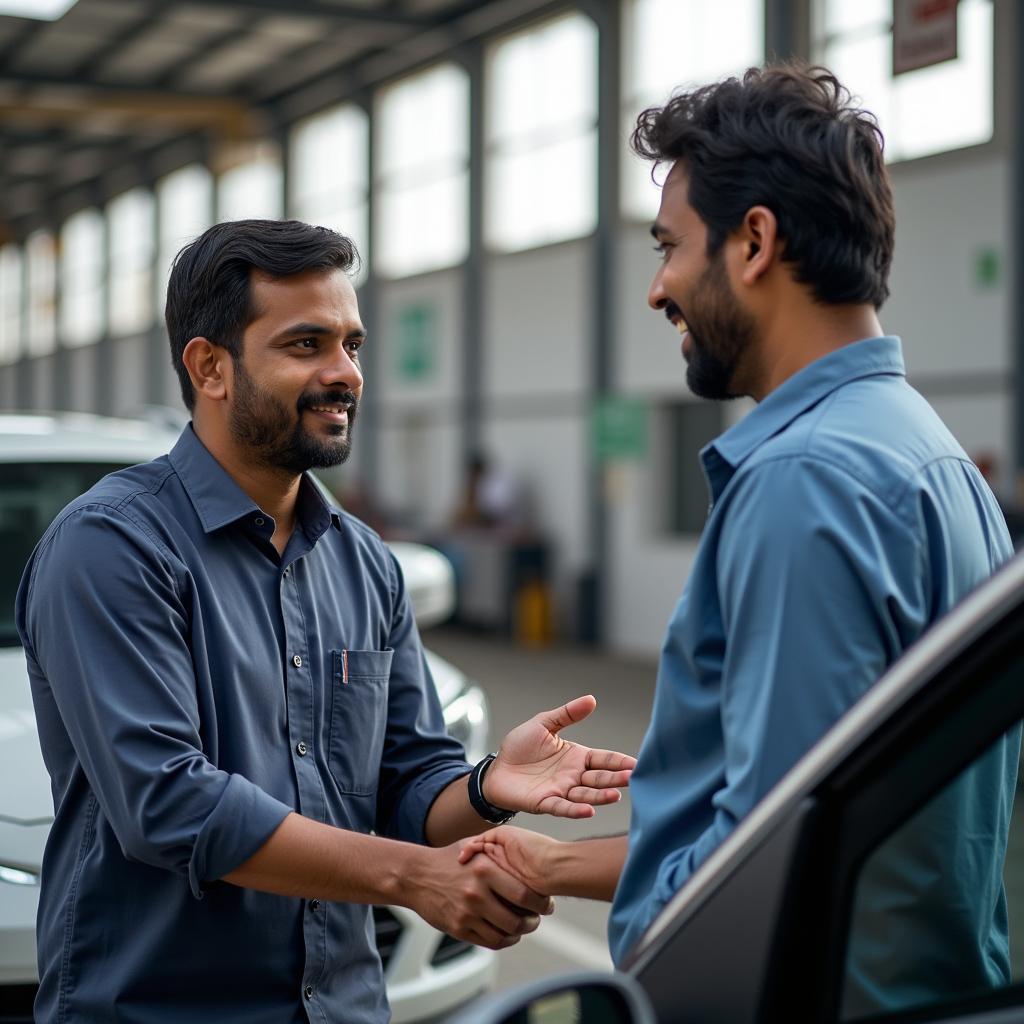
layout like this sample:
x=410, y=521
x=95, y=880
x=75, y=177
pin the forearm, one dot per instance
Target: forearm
x=587, y=868
x=451, y=816
x=306, y=858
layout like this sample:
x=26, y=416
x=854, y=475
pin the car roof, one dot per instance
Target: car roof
x=82, y=437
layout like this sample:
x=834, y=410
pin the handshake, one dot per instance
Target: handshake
x=493, y=888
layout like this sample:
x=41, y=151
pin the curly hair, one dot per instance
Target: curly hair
x=788, y=137
x=208, y=293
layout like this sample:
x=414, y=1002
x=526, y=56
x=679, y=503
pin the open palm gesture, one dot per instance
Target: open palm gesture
x=539, y=772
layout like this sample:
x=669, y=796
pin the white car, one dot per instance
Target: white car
x=45, y=461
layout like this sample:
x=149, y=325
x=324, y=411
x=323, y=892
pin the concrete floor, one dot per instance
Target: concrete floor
x=519, y=683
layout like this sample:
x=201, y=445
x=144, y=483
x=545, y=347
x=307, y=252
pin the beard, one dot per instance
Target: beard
x=721, y=332
x=275, y=436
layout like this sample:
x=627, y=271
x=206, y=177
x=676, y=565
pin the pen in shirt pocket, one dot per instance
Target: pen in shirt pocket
x=344, y=666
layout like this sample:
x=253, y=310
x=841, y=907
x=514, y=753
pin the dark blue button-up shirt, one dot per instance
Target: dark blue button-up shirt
x=845, y=521
x=191, y=688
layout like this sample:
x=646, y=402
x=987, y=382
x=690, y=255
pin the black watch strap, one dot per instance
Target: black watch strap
x=486, y=810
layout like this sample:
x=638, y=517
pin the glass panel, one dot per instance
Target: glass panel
x=679, y=43
x=40, y=252
x=131, y=229
x=422, y=228
x=423, y=123
x=524, y=205
x=841, y=16
x=329, y=175
x=423, y=140
x=251, y=190
x=937, y=904
x=82, y=278
x=185, y=204
x=542, y=155
x=943, y=107
x=10, y=302
x=525, y=71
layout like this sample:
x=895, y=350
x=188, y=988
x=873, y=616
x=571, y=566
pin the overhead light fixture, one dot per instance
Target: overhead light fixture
x=43, y=10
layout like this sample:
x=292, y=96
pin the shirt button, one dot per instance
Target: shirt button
x=308, y=991
x=287, y=571
x=314, y=905
x=300, y=748
x=296, y=661
x=259, y=520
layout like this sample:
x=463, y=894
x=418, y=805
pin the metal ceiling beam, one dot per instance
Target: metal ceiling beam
x=119, y=40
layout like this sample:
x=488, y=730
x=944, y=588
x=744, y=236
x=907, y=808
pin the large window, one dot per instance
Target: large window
x=421, y=219
x=674, y=43
x=946, y=106
x=542, y=135
x=10, y=302
x=81, y=278
x=130, y=222
x=185, y=204
x=41, y=256
x=252, y=188
x=329, y=169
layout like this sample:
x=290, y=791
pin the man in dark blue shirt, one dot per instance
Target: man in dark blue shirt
x=231, y=693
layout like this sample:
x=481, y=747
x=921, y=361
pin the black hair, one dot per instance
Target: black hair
x=209, y=295
x=788, y=137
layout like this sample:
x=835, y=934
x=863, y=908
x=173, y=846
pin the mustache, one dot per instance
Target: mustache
x=341, y=398
x=672, y=310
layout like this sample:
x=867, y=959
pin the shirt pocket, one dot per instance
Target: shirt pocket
x=359, y=718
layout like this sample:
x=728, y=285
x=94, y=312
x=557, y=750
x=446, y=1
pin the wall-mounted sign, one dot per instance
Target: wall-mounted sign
x=619, y=428
x=923, y=33
x=416, y=341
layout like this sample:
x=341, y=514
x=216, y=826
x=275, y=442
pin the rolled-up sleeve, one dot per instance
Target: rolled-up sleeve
x=104, y=621
x=420, y=759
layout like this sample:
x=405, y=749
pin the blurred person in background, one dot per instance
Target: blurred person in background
x=231, y=693
x=845, y=520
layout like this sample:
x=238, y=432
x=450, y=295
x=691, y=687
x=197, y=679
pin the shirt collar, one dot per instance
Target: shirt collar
x=218, y=500
x=869, y=358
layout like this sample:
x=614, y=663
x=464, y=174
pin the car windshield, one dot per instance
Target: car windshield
x=31, y=494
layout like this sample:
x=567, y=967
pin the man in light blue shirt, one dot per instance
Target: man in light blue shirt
x=845, y=519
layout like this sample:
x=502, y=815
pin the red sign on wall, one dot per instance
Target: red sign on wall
x=923, y=33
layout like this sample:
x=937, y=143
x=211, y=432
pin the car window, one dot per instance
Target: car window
x=31, y=495
x=938, y=909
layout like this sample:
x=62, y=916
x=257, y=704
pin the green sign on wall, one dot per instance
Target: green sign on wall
x=416, y=341
x=619, y=428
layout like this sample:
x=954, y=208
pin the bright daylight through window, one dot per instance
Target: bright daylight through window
x=40, y=253
x=82, y=263
x=671, y=44
x=130, y=221
x=942, y=107
x=542, y=135
x=10, y=302
x=185, y=205
x=328, y=178
x=421, y=220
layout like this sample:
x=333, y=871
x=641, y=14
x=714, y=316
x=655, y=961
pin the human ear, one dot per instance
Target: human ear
x=206, y=365
x=758, y=236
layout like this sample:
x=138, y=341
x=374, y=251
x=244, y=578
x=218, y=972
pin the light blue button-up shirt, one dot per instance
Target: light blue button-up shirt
x=845, y=520
x=192, y=687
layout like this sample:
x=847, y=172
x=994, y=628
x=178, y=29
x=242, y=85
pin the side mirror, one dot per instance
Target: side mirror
x=589, y=997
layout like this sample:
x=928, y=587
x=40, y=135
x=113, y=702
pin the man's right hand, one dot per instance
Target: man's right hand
x=476, y=900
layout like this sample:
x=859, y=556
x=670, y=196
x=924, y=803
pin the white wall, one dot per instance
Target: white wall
x=419, y=454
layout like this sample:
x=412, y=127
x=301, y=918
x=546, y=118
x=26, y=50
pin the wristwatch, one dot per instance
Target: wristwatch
x=477, y=800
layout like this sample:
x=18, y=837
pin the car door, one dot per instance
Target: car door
x=770, y=929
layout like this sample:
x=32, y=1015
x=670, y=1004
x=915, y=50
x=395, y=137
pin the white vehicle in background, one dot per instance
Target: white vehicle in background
x=45, y=462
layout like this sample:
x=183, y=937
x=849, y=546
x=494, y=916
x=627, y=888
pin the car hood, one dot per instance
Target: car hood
x=25, y=797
